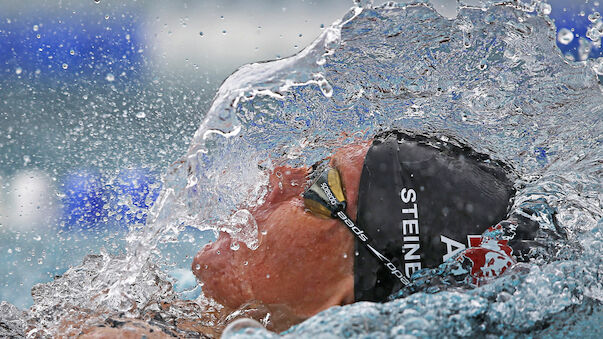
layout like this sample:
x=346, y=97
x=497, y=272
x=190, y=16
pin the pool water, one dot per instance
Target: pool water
x=491, y=75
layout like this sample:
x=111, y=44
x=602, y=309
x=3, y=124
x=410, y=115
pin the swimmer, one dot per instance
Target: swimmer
x=416, y=201
x=375, y=213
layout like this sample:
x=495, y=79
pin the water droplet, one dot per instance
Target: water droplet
x=197, y=267
x=246, y=263
x=234, y=246
x=325, y=87
x=300, y=35
x=201, y=33
x=545, y=8
x=584, y=49
x=322, y=25
x=141, y=115
x=18, y=70
x=565, y=36
x=218, y=252
x=267, y=276
x=223, y=31
x=110, y=77
x=35, y=28
x=65, y=66
x=106, y=17
x=264, y=232
x=595, y=32
x=345, y=255
x=594, y=17
x=72, y=52
x=363, y=3
x=97, y=1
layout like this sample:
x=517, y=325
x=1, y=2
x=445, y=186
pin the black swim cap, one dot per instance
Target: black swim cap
x=419, y=199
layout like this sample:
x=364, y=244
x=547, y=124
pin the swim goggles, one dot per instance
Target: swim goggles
x=325, y=198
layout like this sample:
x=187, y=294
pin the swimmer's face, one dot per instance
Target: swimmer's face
x=303, y=261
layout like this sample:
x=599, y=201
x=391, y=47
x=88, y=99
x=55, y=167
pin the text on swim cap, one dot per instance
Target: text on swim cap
x=410, y=231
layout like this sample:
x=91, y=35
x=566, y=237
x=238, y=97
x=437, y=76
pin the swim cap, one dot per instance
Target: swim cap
x=422, y=199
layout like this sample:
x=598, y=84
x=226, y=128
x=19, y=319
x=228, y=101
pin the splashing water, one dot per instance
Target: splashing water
x=565, y=36
x=492, y=77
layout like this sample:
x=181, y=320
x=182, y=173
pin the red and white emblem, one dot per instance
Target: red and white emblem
x=489, y=257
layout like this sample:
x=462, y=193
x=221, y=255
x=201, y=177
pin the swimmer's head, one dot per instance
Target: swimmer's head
x=303, y=261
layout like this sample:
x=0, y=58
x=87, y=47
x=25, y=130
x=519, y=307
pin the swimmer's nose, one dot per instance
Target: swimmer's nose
x=201, y=260
x=212, y=258
x=218, y=268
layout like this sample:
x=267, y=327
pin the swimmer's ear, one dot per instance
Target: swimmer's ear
x=325, y=196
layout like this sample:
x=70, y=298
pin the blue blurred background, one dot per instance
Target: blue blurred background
x=97, y=98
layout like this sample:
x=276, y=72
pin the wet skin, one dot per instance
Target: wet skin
x=303, y=262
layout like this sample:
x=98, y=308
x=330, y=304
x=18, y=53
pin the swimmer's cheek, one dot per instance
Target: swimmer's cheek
x=285, y=183
x=305, y=261
x=295, y=263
